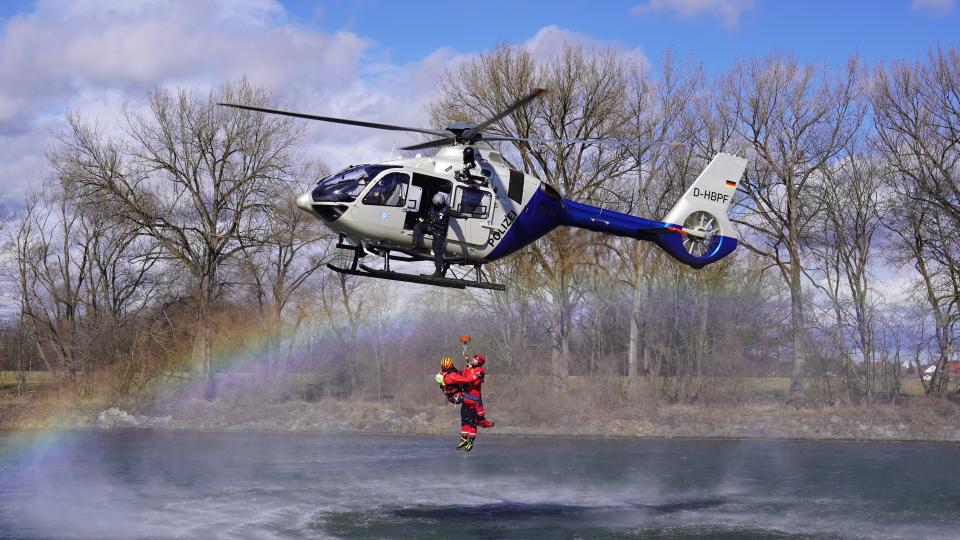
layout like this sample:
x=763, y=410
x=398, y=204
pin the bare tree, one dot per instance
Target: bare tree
x=796, y=119
x=919, y=228
x=917, y=111
x=662, y=129
x=342, y=306
x=194, y=176
x=122, y=265
x=52, y=271
x=852, y=200
x=278, y=264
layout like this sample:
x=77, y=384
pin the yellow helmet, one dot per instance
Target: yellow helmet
x=446, y=362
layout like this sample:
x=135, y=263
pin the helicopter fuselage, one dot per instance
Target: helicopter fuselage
x=380, y=204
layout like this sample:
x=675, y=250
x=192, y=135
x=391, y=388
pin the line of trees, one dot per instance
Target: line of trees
x=168, y=236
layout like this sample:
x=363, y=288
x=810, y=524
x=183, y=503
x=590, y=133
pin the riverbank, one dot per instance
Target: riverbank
x=919, y=420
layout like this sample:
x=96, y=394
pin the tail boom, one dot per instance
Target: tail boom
x=670, y=237
x=696, y=231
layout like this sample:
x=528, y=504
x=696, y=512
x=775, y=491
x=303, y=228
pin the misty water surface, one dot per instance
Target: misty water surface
x=134, y=484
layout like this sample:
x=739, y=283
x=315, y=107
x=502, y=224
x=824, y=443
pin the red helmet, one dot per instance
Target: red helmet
x=481, y=359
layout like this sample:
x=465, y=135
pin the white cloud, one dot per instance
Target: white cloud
x=936, y=7
x=67, y=47
x=727, y=12
x=84, y=57
x=79, y=56
x=549, y=41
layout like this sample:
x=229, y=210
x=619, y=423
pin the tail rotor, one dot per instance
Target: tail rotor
x=701, y=231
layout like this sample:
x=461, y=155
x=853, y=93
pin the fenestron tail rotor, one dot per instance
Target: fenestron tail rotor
x=703, y=234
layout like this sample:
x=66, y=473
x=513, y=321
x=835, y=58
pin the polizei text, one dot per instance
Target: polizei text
x=498, y=233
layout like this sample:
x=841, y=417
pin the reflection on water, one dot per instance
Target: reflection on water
x=213, y=485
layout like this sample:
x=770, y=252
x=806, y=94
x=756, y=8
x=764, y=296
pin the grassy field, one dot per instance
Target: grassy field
x=35, y=379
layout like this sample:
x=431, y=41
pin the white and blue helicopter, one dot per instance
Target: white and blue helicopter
x=374, y=207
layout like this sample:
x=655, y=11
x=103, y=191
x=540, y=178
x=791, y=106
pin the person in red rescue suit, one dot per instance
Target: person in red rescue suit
x=453, y=392
x=471, y=409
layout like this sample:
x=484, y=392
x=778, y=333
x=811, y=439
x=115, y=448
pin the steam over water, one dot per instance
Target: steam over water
x=225, y=485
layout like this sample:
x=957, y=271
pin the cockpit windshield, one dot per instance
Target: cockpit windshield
x=346, y=184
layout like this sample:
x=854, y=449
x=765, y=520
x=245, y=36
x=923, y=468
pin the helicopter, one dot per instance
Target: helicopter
x=374, y=207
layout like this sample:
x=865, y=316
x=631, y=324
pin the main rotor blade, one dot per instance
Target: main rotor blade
x=562, y=141
x=430, y=144
x=516, y=105
x=374, y=125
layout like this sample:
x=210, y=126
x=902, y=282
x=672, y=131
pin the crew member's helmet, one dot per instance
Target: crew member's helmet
x=481, y=359
x=439, y=200
x=446, y=363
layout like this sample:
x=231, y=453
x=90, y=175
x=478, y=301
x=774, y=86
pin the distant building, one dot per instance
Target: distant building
x=953, y=370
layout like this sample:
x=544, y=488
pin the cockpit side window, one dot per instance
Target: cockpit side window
x=346, y=184
x=391, y=190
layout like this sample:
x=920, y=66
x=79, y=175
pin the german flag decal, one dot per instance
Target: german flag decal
x=731, y=183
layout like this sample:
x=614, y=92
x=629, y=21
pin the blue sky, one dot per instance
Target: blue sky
x=827, y=31
x=380, y=59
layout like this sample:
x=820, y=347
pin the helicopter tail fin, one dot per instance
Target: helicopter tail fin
x=711, y=192
x=701, y=233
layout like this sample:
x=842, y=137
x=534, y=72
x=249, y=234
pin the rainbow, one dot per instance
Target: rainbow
x=240, y=352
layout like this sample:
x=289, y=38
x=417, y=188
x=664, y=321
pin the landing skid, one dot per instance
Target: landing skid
x=359, y=269
x=453, y=283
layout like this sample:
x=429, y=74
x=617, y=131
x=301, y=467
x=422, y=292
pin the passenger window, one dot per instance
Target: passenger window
x=475, y=202
x=391, y=190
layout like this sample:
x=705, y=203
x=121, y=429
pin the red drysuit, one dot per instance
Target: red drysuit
x=471, y=410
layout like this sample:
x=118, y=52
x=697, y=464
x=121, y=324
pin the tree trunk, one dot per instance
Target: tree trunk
x=206, y=348
x=647, y=358
x=560, y=358
x=635, y=338
x=276, y=340
x=797, y=390
x=937, y=386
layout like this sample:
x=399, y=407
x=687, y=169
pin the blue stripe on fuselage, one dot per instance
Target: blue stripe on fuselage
x=539, y=216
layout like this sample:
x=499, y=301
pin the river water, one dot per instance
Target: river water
x=141, y=484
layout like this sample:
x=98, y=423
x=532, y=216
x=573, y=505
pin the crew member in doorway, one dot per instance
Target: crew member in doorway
x=471, y=410
x=436, y=223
